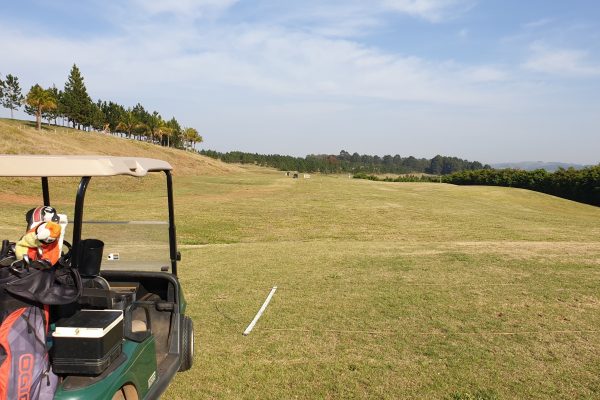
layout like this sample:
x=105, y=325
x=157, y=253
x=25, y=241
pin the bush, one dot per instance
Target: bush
x=581, y=185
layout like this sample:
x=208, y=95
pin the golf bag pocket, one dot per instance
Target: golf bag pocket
x=25, y=371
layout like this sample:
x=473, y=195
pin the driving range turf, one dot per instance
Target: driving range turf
x=385, y=290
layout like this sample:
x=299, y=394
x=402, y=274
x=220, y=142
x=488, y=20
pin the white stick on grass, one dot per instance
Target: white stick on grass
x=260, y=312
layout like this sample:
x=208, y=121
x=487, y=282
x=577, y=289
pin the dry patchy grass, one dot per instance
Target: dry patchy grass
x=389, y=290
x=386, y=290
x=20, y=137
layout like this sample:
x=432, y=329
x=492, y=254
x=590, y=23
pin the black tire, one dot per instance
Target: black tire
x=187, y=344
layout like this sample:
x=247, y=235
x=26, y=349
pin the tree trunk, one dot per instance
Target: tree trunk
x=11, y=113
x=38, y=119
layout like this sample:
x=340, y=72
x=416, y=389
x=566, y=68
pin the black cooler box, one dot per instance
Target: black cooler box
x=87, y=342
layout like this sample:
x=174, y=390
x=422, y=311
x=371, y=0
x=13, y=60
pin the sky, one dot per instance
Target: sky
x=486, y=80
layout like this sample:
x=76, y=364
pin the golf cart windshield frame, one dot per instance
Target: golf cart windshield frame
x=78, y=217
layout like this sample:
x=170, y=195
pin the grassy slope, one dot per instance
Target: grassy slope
x=20, y=137
x=387, y=290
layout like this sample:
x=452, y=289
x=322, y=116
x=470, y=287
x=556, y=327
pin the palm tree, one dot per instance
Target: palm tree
x=152, y=125
x=192, y=136
x=128, y=123
x=163, y=130
x=40, y=100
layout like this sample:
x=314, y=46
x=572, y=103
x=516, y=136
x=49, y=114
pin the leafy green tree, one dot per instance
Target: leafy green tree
x=176, y=132
x=344, y=162
x=12, y=98
x=128, y=123
x=191, y=136
x=152, y=125
x=97, y=118
x=140, y=113
x=436, y=165
x=52, y=114
x=38, y=100
x=113, y=113
x=580, y=185
x=165, y=131
x=141, y=116
x=159, y=128
x=76, y=101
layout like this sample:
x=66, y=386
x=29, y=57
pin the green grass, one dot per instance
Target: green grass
x=386, y=290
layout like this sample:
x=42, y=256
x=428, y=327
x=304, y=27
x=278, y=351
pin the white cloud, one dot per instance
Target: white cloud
x=290, y=63
x=430, y=10
x=183, y=8
x=270, y=60
x=255, y=84
x=537, y=23
x=485, y=74
x=356, y=18
x=566, y=62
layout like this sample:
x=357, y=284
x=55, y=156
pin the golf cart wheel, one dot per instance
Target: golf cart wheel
x=127, y=392
x=187, y=345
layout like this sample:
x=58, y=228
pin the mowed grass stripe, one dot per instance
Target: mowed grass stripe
x=533, y=291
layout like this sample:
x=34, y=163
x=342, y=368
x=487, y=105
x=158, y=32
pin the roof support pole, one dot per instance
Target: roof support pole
x=45, y=191
x=78, y=219
x=172, y=234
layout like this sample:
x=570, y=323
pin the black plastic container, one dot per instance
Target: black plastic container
x=90, y=257
x=87, y=342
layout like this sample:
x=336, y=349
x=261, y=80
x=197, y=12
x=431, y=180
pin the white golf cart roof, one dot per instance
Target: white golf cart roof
x=75, y=166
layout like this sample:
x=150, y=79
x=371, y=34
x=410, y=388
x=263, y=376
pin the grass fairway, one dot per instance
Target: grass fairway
x=386, y=290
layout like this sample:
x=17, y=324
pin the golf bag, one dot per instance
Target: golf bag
x=26, y=291
x=25, y=371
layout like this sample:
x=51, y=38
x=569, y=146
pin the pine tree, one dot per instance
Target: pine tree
x=129, y=123
x=76, y=101
x=12, y=96
x=152, y=124
x=113, y=113
x=97, y=118
x=176, y=132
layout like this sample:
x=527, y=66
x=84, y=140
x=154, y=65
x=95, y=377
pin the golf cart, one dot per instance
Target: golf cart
x=135, y=282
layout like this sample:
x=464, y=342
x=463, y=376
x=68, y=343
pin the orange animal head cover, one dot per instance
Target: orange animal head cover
x=47, y=232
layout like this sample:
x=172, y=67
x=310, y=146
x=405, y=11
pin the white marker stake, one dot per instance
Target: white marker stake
x=259, y=313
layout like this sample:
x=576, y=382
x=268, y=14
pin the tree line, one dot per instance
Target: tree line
x=582, y=185
x=350, y=163
x=401, y=178
x=74, y=106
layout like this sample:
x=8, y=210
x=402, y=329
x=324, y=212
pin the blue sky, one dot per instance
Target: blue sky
x=484, y=80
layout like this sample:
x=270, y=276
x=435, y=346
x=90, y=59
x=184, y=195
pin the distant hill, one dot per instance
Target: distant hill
x=20, y=137
x=531, y=165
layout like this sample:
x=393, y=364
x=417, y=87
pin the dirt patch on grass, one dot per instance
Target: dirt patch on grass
x=18, y=199
x=589, y=251
x=537, y=246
